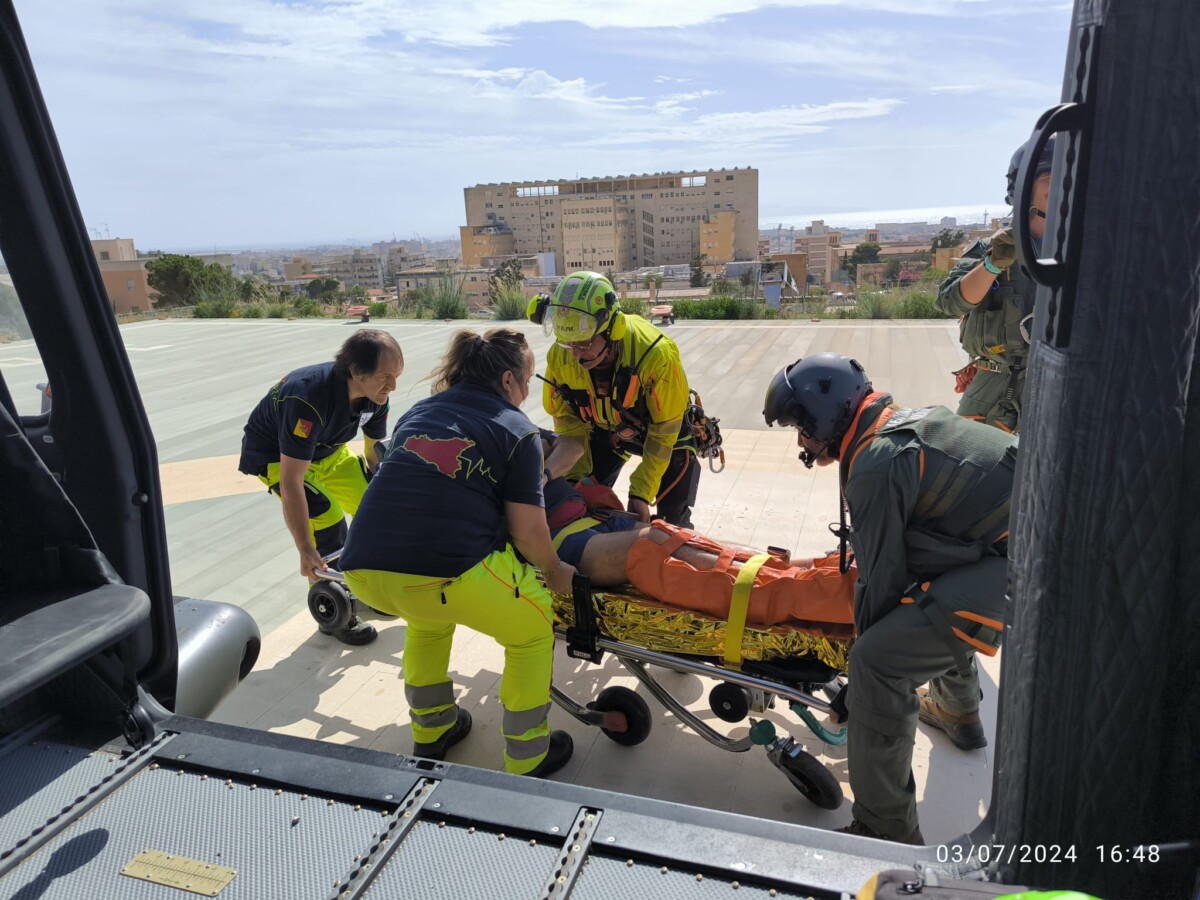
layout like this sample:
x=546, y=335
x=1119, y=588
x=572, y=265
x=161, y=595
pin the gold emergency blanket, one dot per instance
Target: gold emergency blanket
x=633, y=618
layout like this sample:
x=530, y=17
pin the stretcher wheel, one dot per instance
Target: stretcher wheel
x=331, y=605
x=637, y=714
x=730, y=702
x=810, y=777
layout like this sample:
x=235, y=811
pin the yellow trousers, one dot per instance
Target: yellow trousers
x=500, y=596
x=333, y=487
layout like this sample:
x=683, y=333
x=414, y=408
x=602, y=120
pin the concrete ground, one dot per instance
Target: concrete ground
x=199, y=381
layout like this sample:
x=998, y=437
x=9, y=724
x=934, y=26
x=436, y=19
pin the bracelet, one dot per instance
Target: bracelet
x=987, y=264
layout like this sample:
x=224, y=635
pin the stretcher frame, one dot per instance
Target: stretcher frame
x=624, y=717
x=584, y=640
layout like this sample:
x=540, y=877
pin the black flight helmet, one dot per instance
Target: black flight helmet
x=817, y=395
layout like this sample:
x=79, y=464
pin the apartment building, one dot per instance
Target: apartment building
x=360, y=267
x=821, y=245
x=616, y=223
x=124, y=275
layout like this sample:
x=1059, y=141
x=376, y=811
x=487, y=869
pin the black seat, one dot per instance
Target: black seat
x=61, y=603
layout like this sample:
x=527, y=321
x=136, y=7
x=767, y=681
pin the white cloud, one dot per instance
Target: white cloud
x=244, y=116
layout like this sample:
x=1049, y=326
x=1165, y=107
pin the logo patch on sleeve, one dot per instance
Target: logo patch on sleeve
x=303, y=428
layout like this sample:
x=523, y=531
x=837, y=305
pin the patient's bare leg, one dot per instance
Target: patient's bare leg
x=604, y=556
x=693, y=556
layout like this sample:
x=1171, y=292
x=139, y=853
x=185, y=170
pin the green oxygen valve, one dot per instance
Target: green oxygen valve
x=762, y=733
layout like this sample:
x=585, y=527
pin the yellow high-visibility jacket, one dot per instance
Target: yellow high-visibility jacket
x=661, y=396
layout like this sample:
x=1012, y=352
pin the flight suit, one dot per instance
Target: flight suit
x=991, y=333
x=928, y=494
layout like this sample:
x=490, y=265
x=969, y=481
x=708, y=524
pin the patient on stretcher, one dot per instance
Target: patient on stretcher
x=685, y=570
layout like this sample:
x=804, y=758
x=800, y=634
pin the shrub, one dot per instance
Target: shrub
x=378, y=309
x=635, y=306
x=278, y=310
x=307, y=307
x=448, y=301
x=719, y=308
x=252, y=311
x=876, y=306
x=221, y=308
x=919, y=306
x=510, y=303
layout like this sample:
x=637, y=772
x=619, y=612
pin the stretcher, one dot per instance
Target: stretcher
x=780, y=664
x=792, y=667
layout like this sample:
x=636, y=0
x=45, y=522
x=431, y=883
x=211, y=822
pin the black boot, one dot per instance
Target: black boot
x=356, y=633
x=559, y=754
x=455, y=733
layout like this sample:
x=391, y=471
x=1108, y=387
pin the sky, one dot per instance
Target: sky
x=231, y=124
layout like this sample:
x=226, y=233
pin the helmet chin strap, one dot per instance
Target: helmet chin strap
x=608, y=345
x=808, y=457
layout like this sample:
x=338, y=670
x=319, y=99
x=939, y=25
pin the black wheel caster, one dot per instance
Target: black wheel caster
x=637, y=715
x=729, y=702
x=812, y=779
x=136, y=726
x=331, y=605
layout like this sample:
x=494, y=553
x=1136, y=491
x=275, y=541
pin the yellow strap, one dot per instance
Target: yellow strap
x=739, y=603
x=574, y=528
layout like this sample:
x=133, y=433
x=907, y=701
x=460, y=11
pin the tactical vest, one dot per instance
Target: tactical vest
x=991, y=331
x=966, y=472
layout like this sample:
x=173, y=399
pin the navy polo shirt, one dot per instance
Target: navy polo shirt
x=307, y=415
x=436, y=505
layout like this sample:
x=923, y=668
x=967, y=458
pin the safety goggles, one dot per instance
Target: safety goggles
x=569, y=325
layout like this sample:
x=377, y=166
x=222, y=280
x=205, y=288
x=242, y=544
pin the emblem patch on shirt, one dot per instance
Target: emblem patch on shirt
x=444, y=454
x=303, y=428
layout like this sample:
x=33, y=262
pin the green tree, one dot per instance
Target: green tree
x=251, y=290
x=322, y=288
x=356, y=295
x=892, y=272
x=947, y=238
x=721, y=287
x=652, y=278
x=699, y=277
x=862, y=254
x=179, y=279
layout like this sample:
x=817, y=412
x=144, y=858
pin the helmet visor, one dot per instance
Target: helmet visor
x=570, y=325
x=778, y=408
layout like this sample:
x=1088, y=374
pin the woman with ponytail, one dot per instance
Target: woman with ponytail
x=452, y=531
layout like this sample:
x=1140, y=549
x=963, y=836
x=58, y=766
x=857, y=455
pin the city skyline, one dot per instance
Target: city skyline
x=236, y=124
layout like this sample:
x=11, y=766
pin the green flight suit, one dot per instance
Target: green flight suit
x=928, y=494
x=990, y=332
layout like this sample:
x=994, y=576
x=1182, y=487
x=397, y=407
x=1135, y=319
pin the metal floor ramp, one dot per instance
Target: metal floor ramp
x=217, y=811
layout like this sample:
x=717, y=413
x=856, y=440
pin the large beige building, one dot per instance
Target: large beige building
x=821, y=245
x=616, y=224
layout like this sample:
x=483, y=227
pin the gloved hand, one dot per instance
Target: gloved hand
x=1003, y=252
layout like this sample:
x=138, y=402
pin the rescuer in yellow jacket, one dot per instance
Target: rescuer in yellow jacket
x=615, y=387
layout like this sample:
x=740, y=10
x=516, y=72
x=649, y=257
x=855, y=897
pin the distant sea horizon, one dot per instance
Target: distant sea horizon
x=836, y=219
x=869, y=218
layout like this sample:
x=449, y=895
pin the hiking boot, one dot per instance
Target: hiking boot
x=858, y=829
x=965, y=730
x=436, y=750
x=561, y=748
x=356, y=633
